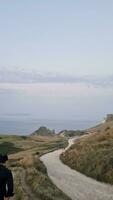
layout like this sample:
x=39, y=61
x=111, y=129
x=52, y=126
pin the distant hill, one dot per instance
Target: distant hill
x=93, y=154
x=106, y=123
x=71, y=133
x=44, y=131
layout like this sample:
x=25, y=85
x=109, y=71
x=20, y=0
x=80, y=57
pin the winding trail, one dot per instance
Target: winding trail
x=76, y=185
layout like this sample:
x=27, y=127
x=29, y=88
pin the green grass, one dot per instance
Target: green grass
x=72, y=133
x=8, y=148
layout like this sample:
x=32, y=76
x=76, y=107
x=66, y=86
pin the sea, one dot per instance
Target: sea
x=26, y=126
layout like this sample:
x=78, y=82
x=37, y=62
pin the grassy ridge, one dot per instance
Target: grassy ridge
x=25, y=161
x=93, y=155
x=72, y=133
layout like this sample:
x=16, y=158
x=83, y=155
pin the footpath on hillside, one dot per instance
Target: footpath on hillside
x=74, y=184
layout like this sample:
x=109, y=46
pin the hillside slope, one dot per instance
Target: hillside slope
x=71, y=133
x=93, y=154
x=73, y=183
x=31, y=180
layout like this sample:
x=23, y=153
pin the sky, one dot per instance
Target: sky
x=56, y=58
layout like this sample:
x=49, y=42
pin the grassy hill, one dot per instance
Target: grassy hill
x=92, y=155
x=30, y=175
x=43, y=131
x=100, y=127
x=71, y=133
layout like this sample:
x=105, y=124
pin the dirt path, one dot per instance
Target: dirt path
x=73, y=183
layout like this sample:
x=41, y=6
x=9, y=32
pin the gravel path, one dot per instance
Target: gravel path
x=74, y=184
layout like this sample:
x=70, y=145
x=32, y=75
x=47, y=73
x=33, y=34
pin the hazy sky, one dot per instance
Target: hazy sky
x=56, y=58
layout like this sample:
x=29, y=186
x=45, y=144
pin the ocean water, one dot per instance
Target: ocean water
x=28, y=126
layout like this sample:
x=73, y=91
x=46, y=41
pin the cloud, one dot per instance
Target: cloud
x=22, y=76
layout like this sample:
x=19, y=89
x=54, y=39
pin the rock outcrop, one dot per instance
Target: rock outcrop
x=109, y=118
x=43, y=131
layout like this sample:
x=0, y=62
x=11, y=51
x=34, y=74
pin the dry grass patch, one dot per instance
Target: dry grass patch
x=93, y=155
x=30, y=175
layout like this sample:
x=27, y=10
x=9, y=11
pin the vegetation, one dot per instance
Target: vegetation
x=40, y=184
x=100, y=127
x=43, y=131
x=93, y=154
x=72, y=133
x=30, y=175
x=8, y=148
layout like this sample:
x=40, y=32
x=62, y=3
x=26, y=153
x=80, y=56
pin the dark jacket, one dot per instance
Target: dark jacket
x=6, y=182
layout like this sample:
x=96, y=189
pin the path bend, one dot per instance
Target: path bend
x=76, y=185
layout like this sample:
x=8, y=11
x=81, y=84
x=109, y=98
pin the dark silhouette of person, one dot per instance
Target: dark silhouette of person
x=6, y=179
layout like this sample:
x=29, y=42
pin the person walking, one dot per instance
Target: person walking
x=6, y=180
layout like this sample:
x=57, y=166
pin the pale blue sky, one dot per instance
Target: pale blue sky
x=62, y=41
x=63, y=36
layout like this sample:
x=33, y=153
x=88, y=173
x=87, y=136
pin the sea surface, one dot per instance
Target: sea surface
x=24, y=126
